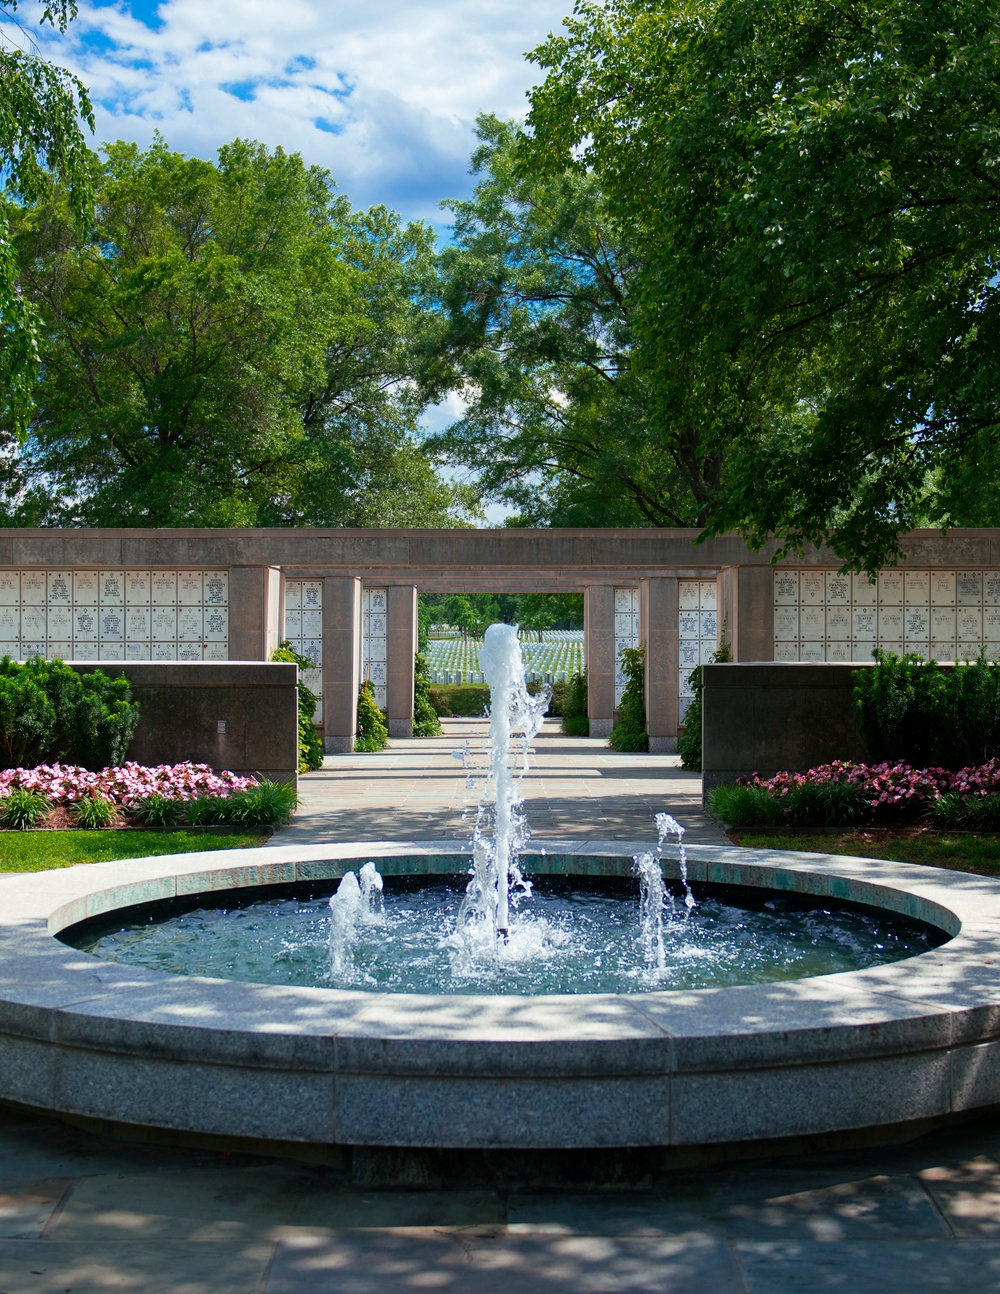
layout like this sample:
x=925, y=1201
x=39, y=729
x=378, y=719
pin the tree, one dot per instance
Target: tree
x=536, y=298
x=40, y=111
x=227, y=345
x=813, y=189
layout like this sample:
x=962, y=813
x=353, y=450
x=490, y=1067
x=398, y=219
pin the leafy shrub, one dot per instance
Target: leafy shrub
x=467, y=699
x=23, y=809
x=49, y=712
x=743, y=806
x=158, y=811
x=629, y=733
x=261, y=805
x=575, y=721
x=95, y=811
x=896, y=698
x=807, y=804
x=310, y=746
x=913, y=711
x=206, y=810
x=425, y=716
x=439, y=702
x=689, y=742
x=968, y=812
x=372, y=733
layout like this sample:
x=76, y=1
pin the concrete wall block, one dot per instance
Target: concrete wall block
x=231, y=715
x=401, y=644
x=341, y=661
x=599, y=651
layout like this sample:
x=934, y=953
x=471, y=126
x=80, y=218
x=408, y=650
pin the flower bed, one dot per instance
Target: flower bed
x=133, y=794
x=843, y=794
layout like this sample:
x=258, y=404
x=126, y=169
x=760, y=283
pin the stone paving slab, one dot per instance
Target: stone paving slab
x=576, y=788
x=95, y=1266
x=894, y=1267
x=480, y=1261
x=891, y=1220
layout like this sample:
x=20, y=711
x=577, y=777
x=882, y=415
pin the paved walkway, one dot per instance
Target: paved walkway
x=576, y=789
x=82, y=1215
x=79, y=1215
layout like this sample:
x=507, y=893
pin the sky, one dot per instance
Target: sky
x=384, y=93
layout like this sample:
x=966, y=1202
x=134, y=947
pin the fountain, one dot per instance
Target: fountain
x=469, y=1014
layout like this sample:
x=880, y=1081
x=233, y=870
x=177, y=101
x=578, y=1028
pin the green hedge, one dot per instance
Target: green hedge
x=469, y=700
x=50, y=713
x=911, y=710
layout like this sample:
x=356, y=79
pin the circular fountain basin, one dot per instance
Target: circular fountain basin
x=909, y=1041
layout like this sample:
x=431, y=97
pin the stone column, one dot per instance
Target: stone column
x=341, y=662
x=401, y=643
x=658, y=630
x=754, y=636
x=599, y=653
x=255, y=599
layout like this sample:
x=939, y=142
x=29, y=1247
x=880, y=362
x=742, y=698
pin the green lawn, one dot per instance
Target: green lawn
x=38, y=851
x=958, y=851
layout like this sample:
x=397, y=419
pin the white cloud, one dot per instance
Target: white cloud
x=384, y=94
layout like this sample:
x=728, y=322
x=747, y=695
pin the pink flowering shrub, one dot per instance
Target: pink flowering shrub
x=124, y=786
x=841, y=793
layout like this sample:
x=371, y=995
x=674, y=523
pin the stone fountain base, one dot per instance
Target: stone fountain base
x=370, y=1078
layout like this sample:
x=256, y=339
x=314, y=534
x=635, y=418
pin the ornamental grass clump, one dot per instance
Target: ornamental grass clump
x=158, y=811
x=261, y=805
x=94, y=812
x=23, y=809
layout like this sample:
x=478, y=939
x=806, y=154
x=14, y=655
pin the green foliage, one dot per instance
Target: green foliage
x=23, y=809
x=832, y=804
x=95, y=811
x=629, y=733
x=227, y=345
x=689, y=742
x=537, y=298
x=967, y=812
x=912, y=710
x=49, y=712
x=41, y=107
x=372, y=733
x=262, y=805
x=158, y=811
x=310, y=746
x=575, y=722
x=205, y=811
x=812, y=192
x=466, y=699
x=425, y=717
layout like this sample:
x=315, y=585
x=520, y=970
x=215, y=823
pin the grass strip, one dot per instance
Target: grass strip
x=955, y=850
x=39, y=851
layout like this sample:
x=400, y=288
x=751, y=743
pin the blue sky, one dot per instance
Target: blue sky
x=382, y=92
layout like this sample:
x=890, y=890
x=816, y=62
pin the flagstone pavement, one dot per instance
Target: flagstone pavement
x=80, y=1214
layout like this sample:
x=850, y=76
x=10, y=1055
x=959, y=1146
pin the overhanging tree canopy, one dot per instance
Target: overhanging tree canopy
x=814, y=191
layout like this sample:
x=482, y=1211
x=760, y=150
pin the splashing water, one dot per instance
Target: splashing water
x=653, y=895
x=357, y=902
x=483, y=935
x=501, y=829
